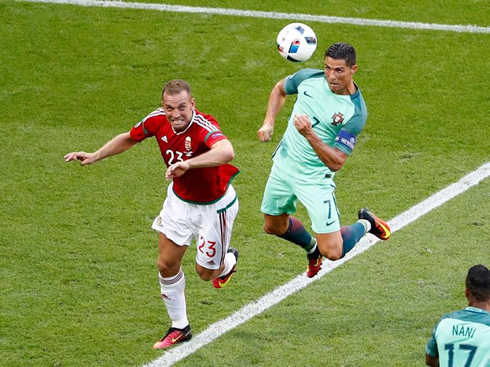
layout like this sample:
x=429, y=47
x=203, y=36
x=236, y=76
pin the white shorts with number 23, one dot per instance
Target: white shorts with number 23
x=210, y=225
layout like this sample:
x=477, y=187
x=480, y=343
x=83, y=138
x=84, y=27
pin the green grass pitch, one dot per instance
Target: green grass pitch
x=78, y=257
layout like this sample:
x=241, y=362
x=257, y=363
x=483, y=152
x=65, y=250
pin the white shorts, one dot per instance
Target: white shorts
x=209, y=224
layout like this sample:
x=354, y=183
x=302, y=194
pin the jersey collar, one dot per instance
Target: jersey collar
x=476, y=309
x=188, y=126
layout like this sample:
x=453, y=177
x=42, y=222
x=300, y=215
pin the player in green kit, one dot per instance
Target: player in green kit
x=462, y=338
x=327, y=117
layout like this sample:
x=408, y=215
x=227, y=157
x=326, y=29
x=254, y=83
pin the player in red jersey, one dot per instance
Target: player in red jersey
x=201, y=203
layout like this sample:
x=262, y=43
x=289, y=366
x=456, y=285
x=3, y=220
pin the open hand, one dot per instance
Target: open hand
x=84, y=158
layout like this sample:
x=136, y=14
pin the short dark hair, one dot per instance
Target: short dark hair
x=478, y=282
x=176, y=86
x=342, y=51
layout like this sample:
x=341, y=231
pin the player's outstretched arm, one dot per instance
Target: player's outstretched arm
x=117, y=145
x=276, y=102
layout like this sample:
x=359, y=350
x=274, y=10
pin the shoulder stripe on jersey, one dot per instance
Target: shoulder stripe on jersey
x=204, y=123
x=155, y=113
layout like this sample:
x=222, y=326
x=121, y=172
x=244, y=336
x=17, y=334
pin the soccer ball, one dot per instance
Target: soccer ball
x=296, y=42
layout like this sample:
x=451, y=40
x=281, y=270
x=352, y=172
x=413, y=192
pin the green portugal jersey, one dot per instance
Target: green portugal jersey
x=462, y=338
x=336, y=119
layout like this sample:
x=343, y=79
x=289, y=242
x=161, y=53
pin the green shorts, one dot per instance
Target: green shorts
x=283, y=191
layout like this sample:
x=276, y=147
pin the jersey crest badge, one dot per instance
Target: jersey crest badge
x=337, y=118
x=164, y=138
x=188, y=146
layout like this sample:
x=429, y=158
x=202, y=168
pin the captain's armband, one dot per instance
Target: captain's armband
x=345, y=141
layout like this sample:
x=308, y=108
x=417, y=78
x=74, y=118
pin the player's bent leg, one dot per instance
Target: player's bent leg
x=351, y=235
x=208, y=274
x=330, y=245
x=292, y=230
x=276, y=224
x=213, y=257
x=295, y=232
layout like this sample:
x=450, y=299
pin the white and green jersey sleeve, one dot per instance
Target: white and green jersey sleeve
x=462, y=338
x=337, y=120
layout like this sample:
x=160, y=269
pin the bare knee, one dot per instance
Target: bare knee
x=270, y=229
x=169, y=256
x=206, y=274
x=166, y=267
x=276, y=225
x=332, y=254
x=330, y=246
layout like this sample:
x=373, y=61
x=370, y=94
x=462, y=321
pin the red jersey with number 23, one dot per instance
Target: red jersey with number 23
x=198, y=185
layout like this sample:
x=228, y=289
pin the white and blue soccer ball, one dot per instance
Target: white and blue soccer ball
x=296, y=42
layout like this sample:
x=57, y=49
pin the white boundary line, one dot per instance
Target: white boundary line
x=273, y=15
x=272, y=298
